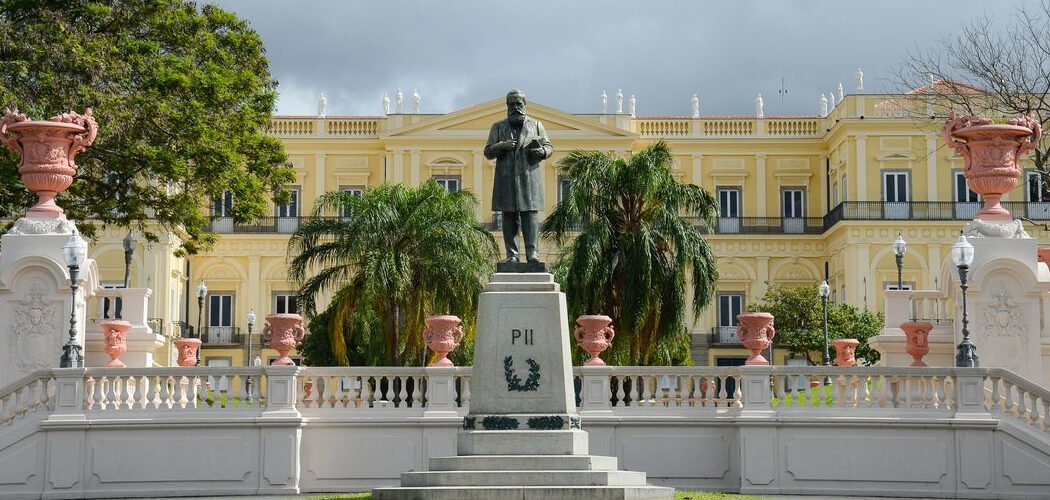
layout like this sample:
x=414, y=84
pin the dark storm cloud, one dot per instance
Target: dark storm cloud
x=564, y=53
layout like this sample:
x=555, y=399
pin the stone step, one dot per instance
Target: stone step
x=527, y=493
x=565, y=442
x=523, y=462
x=522, y=478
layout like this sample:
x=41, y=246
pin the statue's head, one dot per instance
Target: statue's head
x=516, y=106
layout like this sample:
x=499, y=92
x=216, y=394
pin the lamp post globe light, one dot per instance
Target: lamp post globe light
x=825, y=290
x=75, y=252
x=248, y=356
x=899, y=247
x=202, y=291
x=962, y=257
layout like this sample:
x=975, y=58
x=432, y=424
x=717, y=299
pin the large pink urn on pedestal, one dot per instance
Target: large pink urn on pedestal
x=47, y=149
x=187, y=351
x=917, y=333
x=442, y=335
x=594, y=333
x=845, y=351
x=284, y=332
x=755, y=331
x=991, y=152
x=115, y=337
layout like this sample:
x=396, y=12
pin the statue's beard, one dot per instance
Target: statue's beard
x=517, y=119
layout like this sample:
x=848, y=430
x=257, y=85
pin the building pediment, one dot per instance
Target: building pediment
x=475, y=121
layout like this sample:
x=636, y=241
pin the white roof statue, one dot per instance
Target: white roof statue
x=841, y=95
x=619, y=100
x=631, y=105
x=831, y=100
x=386, y=103
x=823, y=105
x=604, y=101
x=400, y=100
x=858, y=80
x=759, y=104
x=696, y=106
x=322, y=104
x=415, y=101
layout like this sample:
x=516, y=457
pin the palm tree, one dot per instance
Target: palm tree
x=399, y=255
x=642, y=233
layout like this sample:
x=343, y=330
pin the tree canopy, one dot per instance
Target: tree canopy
x=799, y=319
x=182, y=94
x=991, y=67
x=397, y=255
x=641, y=234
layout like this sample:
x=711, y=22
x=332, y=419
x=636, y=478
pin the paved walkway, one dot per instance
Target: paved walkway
x=314, y=495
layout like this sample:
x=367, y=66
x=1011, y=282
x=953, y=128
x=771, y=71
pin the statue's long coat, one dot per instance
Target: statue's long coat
x=517, y=186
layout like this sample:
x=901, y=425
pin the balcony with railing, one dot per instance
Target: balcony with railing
x=729, y=127
x=724, y=335
x=216, y=335
x=927, y=211
x=269, y=224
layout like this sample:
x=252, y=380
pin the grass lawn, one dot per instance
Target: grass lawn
x=678, y=495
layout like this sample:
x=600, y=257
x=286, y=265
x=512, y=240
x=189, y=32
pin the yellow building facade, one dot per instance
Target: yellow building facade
x=800, y=199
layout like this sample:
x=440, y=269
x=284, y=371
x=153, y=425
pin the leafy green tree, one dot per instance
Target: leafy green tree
x=643, y=235
x=400, y=255
x=182, y=94
x=799, y=320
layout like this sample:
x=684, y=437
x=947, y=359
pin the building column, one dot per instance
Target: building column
x=760, y=173
x=478, y=165
x=319, y=178
x=253, y=296
x=698, y=160
x=397, y=176
x=861, y=142
x=414, y=167
x=931, y=168
x=761, y=284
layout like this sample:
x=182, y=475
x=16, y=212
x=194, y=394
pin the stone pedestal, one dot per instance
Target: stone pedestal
x=523, y=437
x=143, y=342
x=35, y=297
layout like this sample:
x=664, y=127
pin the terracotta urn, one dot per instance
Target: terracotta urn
x=917, y=333
x=594, y=333
x=48, y=148
x=1043, y=254
x=845, y=351
x=442, y=335
x=284, y=332
x=755, y=331
x=991, y=152
x=115, y=338
x=188, y=351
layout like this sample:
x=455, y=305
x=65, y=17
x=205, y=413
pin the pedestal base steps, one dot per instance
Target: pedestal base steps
x=523, y=438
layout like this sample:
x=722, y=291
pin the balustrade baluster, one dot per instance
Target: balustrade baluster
x=633, y=396
x=864, y=396
x=738, y=396
x=1022, y=409
x=939, y=395
x=996, y=398
x=402, y=395
x=1044, y=422
x=618, y=400
x=672, y=393
x=723, y=398
x=1008, y=397
x=366, y=391
x=646, y=394
x=907, y=391
x=417, y=393
x=464, y=394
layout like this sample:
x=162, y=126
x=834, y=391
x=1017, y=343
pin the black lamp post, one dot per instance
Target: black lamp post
x=825, y=290
x=75, y=252
x=129, y=251
x=202, y=291
x=962, y=256
x=899, y=246
x=248, y=357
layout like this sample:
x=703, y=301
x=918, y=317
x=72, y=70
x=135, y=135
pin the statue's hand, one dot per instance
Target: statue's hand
x=508, y=145
x=537, y=154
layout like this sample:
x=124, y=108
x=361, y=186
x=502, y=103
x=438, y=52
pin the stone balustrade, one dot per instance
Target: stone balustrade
x=66, y=433
x=292, y=126
x=729, y=127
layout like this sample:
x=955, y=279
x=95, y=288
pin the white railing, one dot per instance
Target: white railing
x=27, y=396
x=108, y=390
x=630, y=390
x=301, y=126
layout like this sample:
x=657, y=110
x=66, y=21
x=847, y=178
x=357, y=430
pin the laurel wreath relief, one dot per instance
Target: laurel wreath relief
x=514, y=381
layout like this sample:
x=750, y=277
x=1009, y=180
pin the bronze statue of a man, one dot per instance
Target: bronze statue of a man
x=518, y=144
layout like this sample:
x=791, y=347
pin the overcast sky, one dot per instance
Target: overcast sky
x=563, y=53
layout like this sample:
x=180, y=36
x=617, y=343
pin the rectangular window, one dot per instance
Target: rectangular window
x=563, y=188
x=896, y=195
x=729, y=306
x=451, y=183
x=220, y=318
x=966, y=201
x=793, y=206
x=344, y=212
x=290, y=209
x=1038, y=206
x=285, y=302
x=834, y=195
x=728, y=210
x=842, y=184
x=222, y=205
